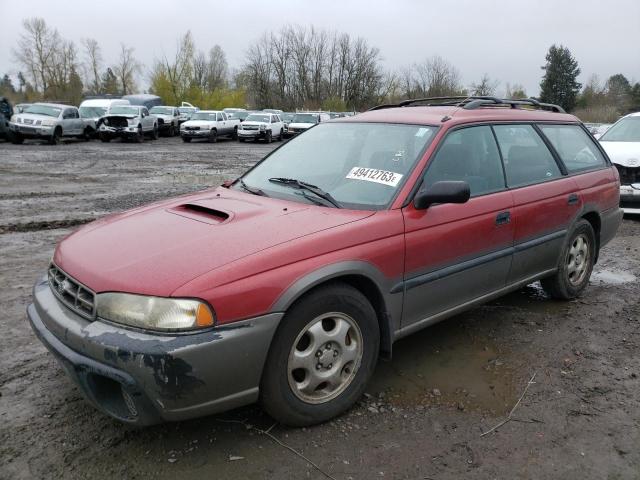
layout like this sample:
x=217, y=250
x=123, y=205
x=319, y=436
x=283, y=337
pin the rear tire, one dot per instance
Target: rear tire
x=235, y=134
x=172, y=130
x=576, y=264
x=321, y=357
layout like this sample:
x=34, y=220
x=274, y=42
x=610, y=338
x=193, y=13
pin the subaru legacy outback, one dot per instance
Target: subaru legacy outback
x=286, y=285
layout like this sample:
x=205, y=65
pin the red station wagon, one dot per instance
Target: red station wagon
x=286, y=285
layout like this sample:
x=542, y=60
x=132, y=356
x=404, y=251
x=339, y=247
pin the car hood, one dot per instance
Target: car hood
x=35, y=116
x=198, y=123
x=626, y=154
x=120, y=115
x=162, y=116
x=156, y=249
x=301, y=125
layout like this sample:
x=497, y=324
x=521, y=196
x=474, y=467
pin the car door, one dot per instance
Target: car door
x=545, y=200
x=456, y=253
x=147, y=120
x=78, y=122
x=223, y=129
x=67, y=123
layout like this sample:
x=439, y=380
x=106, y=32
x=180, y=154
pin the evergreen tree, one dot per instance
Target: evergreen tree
x=619, y=92
x=110, y=82
x=6, y=86
x=559, y=84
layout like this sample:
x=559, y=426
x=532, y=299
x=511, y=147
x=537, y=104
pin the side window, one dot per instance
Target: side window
x=145, y=112
x=65, y=114
x=219, y=117
x=75, y=113
x=273, y=119
x=468, y=154
x=527, y=159
x=576, y=149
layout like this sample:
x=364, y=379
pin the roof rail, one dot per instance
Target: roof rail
x=472, y=102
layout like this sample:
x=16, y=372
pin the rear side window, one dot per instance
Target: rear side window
x=527, y=160
x=469, y=154
x=575, y=147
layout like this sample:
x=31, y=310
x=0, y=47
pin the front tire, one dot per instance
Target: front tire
x=576, y=264
x=268, y=138
x=155, y=133
x=322, y=356
x=17, y=139
x=186, y=139
x=55, y=137
x=140, y=135
x=213, y=136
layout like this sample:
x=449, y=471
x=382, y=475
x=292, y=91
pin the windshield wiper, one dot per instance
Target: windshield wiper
x=292, y=182
x=254, y=191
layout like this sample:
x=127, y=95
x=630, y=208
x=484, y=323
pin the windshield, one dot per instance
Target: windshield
x=239, y=115
x=43, y=110
x=626, y=130
x=305, y=118
x=92, y=112
x=254, y=117
x=203, y=116
x=287, y=117
x=162, y=110
x=186, y=109
x=123, y=111
x=361, y=165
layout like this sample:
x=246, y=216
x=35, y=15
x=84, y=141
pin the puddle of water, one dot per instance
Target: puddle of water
x=442, y=365
x=612, y=277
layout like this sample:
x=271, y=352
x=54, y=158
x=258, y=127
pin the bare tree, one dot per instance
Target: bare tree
x=485, y=87
x=515, y=91
x=36, y=51
x=126, y=69
x=92, y=64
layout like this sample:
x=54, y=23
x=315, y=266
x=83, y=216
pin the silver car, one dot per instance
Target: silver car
x=47, y=121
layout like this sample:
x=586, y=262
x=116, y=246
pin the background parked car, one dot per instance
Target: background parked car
x=128, y=122
x=93, y=109
x=209, y=125
x=6, y=112
x=47, y=121
x=240, y=114
x=168, y=119
x=261, y=125
x=143, y=99
x=302, y=121
x=186, y=110
x=622, y=144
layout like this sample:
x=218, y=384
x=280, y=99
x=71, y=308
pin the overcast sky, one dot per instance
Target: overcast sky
x=505, y=39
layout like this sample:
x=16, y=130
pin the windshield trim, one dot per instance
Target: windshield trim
x=401, y=184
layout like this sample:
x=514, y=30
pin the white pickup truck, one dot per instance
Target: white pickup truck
x=209, y=125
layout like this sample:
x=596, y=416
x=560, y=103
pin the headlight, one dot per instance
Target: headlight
x=154, y=313
x=19, y=120
x=47, y=123
x=132, y=121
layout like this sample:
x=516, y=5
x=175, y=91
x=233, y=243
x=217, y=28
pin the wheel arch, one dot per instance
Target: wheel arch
x=362, y=276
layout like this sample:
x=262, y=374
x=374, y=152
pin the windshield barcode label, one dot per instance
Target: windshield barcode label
x=374, y=175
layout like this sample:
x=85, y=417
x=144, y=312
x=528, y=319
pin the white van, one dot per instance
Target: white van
x=93, y=109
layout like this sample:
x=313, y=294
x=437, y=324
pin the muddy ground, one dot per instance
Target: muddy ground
x=426, y=410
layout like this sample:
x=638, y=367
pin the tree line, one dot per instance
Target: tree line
x=295, y=67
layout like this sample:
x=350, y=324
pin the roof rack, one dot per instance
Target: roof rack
x=473, y=102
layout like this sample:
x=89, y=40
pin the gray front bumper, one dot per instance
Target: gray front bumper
x=144, y=378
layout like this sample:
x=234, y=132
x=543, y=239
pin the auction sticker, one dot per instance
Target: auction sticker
x=374, y=175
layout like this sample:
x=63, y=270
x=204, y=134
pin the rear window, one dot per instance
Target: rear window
x=527, y=160
x=575, y=147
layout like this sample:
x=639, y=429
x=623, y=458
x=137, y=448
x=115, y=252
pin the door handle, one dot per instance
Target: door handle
x=503, y=218
x=573, y=199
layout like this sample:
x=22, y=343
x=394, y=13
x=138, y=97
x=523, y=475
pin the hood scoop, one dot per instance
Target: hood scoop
x=201, y=213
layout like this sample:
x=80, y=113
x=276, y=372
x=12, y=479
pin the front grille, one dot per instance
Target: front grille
x=192, y=128
x=628, y=175
x=249, y=127
x=72, y=293
x=28, y=121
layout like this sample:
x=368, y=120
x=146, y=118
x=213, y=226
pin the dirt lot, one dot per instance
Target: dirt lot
x=425, y=411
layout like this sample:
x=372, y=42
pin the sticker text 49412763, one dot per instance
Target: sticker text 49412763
x=374, y=175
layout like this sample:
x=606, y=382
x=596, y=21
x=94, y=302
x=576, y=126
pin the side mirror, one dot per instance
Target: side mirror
x=442, y=192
